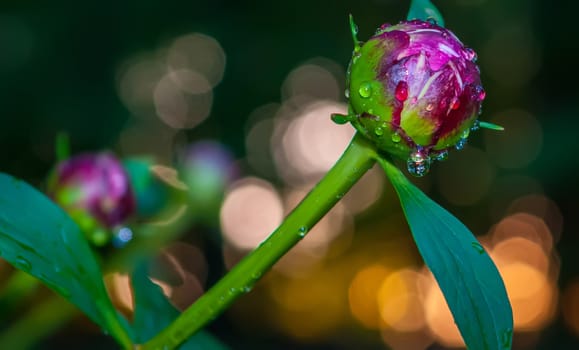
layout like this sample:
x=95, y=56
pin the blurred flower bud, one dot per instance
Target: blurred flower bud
x=207, y=168
x=415, y=91
x=94, y=189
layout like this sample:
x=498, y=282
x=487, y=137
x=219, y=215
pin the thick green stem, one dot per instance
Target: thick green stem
x=356, y=160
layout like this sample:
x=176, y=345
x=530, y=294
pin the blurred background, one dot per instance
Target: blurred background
x=258, y=80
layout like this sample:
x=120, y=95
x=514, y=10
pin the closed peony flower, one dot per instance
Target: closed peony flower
x=93, y=187
x=415, y=91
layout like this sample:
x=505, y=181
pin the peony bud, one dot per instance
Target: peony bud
x=415, y=91
x=93, y=186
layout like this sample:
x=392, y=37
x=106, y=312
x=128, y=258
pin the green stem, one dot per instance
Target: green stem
x=356, y=160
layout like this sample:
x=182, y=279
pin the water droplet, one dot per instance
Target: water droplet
x=475, y=126
x=481, y=93
x=460, y=144
x=302, y=231
x=441, y=156
x=379, y=131
x=347, y=93
x=340, y=118
x=256, y=275
x=455, y=103
x=22, y=263
x=396, y=137
x=479, y=248
x=470, y=54
x=465, y=133
x=401, y=91
x=431, y=20
x=429, y=107
x=365, y=90
x=418, y=163
x=246, y=289
x=507, y=338
x=232, y=290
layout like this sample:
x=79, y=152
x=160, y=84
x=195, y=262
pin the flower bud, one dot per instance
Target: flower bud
x=93, y=187
x=415, y=91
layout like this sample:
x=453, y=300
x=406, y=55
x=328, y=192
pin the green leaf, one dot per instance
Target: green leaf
x=153, y=312
x=38, y=237
x=425, y=10
x=467, y=276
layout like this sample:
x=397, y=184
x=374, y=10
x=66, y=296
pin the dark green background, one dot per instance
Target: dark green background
x=58, y=61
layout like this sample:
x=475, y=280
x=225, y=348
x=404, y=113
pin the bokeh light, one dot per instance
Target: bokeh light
x=251, y=210
x=363, y=295
x=307, y=143
x=399, y=301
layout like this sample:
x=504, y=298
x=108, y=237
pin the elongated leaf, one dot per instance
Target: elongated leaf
x=38, y=237
x=425, y=10
x=153, y=312
x=467, y=276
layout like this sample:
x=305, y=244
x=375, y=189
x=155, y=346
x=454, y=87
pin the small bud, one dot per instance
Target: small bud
x=417, y=84
x=93, y=187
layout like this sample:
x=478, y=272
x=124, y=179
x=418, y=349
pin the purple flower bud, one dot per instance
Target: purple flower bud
x=93, y=184
x=415, y=91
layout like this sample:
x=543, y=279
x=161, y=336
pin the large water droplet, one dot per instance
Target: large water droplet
x=302, y=231
x=478, y=247
x=401, y=91
x=365, y=90
x=460, y=144
x=418, y=163
x=465, y=134
x=347, y=93
x=396, y=137
x=441, y=156
x=22, y=263
x=379, y=131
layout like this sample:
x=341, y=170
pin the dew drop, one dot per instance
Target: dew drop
x=470, y=54
x=441, y=156
x=22, y=263
x=379, y=131
x=347, y=93
x=481, y=93
x=246, y=289
x=454, y=104
x=302, y=231
x=465, y=133
x=232, y=291
x=365, y=90
x=475, y=126
x=401, y=91
x=429, y=107
x=460, y=144
x=256, y=275
x=418, y=163
x=478, y=247
x=396, y=137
